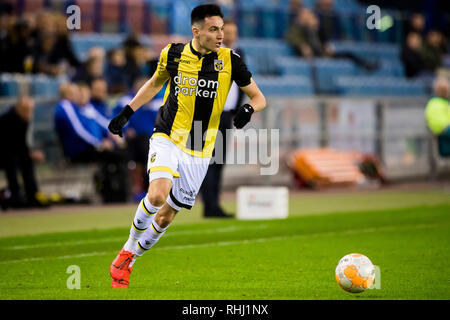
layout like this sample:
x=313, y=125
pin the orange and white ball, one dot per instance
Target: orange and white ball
x=355, y=273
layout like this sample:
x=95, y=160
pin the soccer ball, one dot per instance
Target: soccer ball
x=355, y=273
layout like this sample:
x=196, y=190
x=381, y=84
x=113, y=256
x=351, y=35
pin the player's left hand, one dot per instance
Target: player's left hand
x=243, y=116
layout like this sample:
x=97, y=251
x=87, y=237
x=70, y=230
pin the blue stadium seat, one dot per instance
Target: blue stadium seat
x=388, y=68
x=326, y=70
x=9, y=86
x=369, y=50
x=82, y=43
x=287, y=86
x=380, y=86
x=264, y=53
x=46, y=86
x=294, y=66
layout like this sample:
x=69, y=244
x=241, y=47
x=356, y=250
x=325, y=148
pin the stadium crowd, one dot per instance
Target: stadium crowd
x=39, y=43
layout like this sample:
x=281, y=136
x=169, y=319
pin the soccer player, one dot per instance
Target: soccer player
x=200, y=74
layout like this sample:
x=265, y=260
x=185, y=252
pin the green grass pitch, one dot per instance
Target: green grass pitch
x=406, y=234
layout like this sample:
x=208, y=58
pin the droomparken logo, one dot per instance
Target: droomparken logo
x=189, y=86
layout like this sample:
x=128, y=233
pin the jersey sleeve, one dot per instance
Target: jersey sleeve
x=161, y=68
x=239, y=72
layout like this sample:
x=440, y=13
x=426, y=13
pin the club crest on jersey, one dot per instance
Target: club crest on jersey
x=218, y=65
x=152, y=158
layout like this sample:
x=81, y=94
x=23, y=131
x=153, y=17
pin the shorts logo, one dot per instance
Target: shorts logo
x=218, y=65
x=152, y=157
x=188, y=192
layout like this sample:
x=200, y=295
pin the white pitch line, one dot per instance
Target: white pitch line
x=107, y=240
x=234, y=242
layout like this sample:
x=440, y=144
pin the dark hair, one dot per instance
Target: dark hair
x=203, y=11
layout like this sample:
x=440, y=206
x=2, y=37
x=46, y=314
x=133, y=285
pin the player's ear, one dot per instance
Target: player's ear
x=195, y=30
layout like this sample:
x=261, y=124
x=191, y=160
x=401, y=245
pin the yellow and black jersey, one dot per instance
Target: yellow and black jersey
x=196, y=94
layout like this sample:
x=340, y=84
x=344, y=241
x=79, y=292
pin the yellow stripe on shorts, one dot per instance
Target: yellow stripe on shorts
x=166, y=169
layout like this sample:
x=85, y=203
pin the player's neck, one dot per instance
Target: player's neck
x=197, y=47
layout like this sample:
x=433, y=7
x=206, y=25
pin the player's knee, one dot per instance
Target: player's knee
x=157, y=198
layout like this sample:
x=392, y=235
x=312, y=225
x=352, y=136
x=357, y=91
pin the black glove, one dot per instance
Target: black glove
x=243, y=115
x=118, y=122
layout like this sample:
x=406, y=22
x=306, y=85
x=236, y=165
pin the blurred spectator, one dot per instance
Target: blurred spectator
x=37, y=43
x=81, y=138
x=304, y=37
x=294, y=7
x=133, y=59
x=437, y=114
x=89, y=70
x=137, y=133
x=92, y=68
x=411, y=56
x=115, y=71
x=85, y=139
x=416, y=23
x=45, y=23
x=140, y=60
x=432, y=50
x=99, y=94
x=17, y=48
x=63, y=48
x=4, y=24
x=329, y=26
x=17, y=156
x=96, y=53
x=44, y=60
x=97, y=120
x=210, y=189
x=137, y=64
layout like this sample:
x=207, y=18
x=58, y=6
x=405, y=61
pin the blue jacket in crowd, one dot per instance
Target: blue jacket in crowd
x=79, y=128
x=143, y=120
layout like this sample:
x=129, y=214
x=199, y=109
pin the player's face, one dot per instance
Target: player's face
x=210, y=33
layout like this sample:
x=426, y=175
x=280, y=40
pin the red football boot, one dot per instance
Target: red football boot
x=120, y=269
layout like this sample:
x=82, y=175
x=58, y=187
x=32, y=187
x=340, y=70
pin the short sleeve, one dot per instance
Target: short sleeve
x=161, y=67
x=239, y=71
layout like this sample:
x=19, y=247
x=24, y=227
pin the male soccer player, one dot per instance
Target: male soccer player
x=200, y=74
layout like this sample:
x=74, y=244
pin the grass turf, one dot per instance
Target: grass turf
x=293, y=258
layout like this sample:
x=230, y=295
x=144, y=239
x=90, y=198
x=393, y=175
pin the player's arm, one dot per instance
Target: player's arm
x=149, y=90
x=257, y=99
x=243, y=78
x=144, y=95
x=257, y=103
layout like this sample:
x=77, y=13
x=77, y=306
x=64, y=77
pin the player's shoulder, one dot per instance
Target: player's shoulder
x=235, y=53
x=230, y=54
x=175, y=46
x=224, y=50
x=172, y=47
x=235, y=56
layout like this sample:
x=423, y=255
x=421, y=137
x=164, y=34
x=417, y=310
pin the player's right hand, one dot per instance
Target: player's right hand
x=118, y=122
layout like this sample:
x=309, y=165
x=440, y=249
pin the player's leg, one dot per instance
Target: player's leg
x=147, y=209
x=122, y=265
x=157, y=228
x=162, y=168
x=182, y=194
